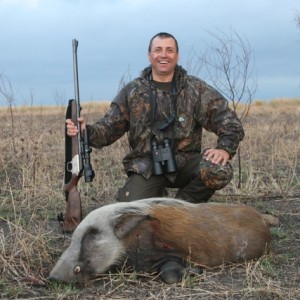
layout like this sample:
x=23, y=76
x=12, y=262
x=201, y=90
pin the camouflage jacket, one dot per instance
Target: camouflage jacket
x=146, y=112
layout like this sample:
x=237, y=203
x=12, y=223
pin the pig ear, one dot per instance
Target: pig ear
x=127, y=222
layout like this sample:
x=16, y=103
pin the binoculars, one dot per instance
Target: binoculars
x=163, y=158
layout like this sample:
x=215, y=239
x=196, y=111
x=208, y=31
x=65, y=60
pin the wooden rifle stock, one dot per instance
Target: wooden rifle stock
x=77, y=159
x=73, y=215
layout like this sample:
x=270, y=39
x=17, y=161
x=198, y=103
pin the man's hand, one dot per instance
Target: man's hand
x=72, y=130
x=217, y=156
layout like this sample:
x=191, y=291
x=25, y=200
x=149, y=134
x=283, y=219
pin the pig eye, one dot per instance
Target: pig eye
x=93, y=231
x=91, y=234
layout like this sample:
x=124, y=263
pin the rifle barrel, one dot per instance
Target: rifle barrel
x=77, y=98
x=75, y=67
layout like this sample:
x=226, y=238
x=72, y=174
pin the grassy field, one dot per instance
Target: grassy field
x=31, y=176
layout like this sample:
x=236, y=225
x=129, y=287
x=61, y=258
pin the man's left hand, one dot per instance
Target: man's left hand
x=217, y=156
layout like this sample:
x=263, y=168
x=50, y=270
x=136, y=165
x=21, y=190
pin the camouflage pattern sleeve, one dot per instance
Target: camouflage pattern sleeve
x=113, y=125
x=220, y=119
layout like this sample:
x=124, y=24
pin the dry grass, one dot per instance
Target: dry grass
x=31, y=174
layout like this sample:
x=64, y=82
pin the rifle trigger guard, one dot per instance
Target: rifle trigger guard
x=60, y=217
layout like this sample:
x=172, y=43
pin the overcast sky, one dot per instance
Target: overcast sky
x=36, y=42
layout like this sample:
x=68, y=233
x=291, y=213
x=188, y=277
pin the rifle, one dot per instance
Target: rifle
x=77, y=158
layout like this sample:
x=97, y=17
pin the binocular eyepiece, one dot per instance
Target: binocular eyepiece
x=163, y=158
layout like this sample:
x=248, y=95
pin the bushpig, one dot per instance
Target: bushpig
x=162, y=235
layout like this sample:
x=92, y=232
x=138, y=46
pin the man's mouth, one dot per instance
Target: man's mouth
x=163, y=62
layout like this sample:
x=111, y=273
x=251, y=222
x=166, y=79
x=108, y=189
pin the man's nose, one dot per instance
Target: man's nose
x=163, y=53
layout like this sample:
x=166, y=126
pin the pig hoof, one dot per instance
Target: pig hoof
x=194, y=271
x=171, y=272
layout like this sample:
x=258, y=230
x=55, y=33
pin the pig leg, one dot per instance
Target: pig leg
x=171, y=272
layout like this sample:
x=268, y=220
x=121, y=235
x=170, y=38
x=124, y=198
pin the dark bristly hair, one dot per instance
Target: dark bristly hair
x=163, y=35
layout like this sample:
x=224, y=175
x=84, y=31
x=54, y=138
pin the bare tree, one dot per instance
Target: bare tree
x=228, y=64
x=7, y=97
x=60, y=98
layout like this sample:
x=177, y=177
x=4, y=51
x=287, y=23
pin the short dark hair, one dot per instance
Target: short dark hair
x=163, y=35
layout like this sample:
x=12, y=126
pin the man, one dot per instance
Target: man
x=164, y=110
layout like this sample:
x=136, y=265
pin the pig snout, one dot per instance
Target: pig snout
x=65, y=271
x=91, y=253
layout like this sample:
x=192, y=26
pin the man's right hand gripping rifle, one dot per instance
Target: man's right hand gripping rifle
x=72, y=129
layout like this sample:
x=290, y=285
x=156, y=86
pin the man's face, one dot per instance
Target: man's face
x=163, y=58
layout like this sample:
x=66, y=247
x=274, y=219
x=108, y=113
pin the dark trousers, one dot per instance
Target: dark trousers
x=190, y=187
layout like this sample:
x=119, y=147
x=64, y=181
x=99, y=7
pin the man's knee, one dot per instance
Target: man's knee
x=137, y=187
x=214, y=176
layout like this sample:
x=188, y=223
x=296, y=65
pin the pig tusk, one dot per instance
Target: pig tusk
x=77, y=270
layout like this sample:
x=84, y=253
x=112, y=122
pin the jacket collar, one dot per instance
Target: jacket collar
x=180, y=76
